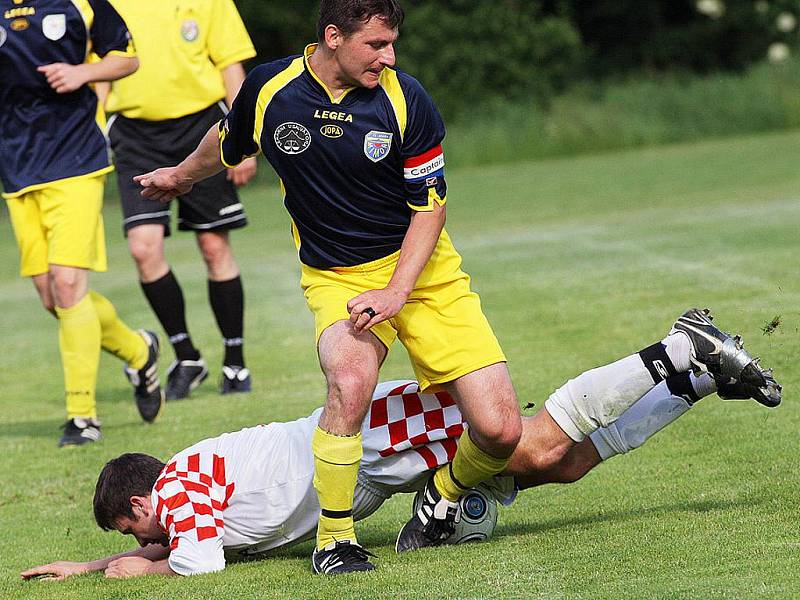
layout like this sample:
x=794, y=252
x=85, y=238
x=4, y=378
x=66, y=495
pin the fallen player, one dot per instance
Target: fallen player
x=245, y=493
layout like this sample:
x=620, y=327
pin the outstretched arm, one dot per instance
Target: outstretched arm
x=58, y=571
x=170, y=182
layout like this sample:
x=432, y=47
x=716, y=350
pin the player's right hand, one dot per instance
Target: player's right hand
x=57, y=571
x=163, y=184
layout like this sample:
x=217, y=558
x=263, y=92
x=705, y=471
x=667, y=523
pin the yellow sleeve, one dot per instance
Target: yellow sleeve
x=228, y=40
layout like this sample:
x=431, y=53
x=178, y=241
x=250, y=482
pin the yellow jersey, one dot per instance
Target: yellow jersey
x=182, y=45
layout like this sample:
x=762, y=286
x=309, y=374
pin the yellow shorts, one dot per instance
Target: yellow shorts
x=60, y=224
x=441, y=326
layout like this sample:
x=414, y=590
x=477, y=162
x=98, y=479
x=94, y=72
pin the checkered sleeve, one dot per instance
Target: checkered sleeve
x=189, y=498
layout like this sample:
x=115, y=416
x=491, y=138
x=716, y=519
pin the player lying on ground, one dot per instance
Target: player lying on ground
x=244, y=493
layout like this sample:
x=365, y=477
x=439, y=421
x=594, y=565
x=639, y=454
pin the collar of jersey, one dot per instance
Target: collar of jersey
x=308, y=52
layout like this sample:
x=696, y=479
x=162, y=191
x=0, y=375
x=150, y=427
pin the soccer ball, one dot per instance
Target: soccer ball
x=478, y=516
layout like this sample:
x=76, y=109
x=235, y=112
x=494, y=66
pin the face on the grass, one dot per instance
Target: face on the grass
x=362, y=55
x=144, y=526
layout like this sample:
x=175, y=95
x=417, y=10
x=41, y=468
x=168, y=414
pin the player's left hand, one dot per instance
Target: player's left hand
x=63, y=77
x=384, y=304
x=163, y=184
x=242, y=173
x=127, y=566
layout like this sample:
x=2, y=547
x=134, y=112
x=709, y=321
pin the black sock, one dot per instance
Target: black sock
x=681, y=385
x=657, y=362
x=227, y=302
x=166, y=299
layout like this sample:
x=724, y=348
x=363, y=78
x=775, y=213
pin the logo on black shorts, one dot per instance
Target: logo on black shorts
x=292, y=138
x=3, y=36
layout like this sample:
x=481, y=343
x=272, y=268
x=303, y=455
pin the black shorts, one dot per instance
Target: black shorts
x=141, y=146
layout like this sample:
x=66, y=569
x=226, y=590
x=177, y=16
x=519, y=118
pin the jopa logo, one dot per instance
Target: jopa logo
x=331, y=131
x=292, y=138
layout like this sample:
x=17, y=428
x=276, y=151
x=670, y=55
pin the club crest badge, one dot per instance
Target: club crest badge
x=377, y=145
x=54, y=26
x=3, y=36
x=292, y=138
x=190, y=30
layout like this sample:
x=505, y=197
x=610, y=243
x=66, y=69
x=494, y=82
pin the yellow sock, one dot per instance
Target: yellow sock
x=79, y=342
x=470, y=466
x=336, y=460
x=117, y=338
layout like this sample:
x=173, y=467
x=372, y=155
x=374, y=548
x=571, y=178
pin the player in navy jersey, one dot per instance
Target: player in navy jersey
x=357, y=145
x=53, y=161
x=243, y=494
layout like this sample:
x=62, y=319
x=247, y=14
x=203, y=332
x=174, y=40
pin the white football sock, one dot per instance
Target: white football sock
x=655, y=410
x=679, y=350
x=598, y=397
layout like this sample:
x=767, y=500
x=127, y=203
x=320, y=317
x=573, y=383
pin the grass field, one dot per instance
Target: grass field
x=578, y=262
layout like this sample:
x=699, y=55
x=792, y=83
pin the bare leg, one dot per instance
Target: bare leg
x=44, y=289
x=488, y=402
x=218, y=255
x=350, y=363
x=146, y=245
x=545, y=454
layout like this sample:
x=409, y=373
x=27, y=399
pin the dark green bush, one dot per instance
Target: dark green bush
x=466, y=52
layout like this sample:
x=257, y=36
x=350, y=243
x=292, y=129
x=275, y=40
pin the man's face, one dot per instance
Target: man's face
x=364, y=54
x=144, y=526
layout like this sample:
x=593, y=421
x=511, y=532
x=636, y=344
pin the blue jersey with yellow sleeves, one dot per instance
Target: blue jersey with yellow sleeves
x=45, y=136
x=353, y=168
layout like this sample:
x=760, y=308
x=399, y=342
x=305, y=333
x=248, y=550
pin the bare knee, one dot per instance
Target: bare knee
x=498, y=432
x=69, y=286
x=347, y=389
x=218, y=255
x=147, y=250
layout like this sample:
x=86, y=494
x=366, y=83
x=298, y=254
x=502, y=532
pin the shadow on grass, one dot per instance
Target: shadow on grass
x=625, y=515
x=377, y=538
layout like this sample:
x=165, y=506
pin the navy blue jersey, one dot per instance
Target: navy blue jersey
x=45, y=136
x=352, y=169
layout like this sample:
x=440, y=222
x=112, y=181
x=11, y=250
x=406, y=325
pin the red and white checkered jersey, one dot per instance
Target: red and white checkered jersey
x=255, y=487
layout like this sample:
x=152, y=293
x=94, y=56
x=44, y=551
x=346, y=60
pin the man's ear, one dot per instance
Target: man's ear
x=141, y=506
x=333, y=37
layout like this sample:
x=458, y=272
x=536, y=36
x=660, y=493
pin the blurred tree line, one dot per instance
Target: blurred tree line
x=470, y=53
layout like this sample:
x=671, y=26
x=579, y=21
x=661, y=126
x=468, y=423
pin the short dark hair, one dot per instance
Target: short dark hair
x=350, y=15
x=123, y=477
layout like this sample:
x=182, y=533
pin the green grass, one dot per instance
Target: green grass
x=578, y=262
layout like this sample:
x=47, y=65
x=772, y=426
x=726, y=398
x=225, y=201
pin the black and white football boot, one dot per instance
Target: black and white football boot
x=79, y=431
x=768, y=395
x=716, y=352
x=432, y=524
x=146, y=386
x=183, y=376
x=345, y=556
x=235, y=380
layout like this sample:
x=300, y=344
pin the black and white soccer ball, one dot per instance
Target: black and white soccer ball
x=478, y=516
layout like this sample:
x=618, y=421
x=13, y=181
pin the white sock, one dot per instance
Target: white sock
x=704, y=385
x=679, y=350
x=598, y=397
x=654, y=411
